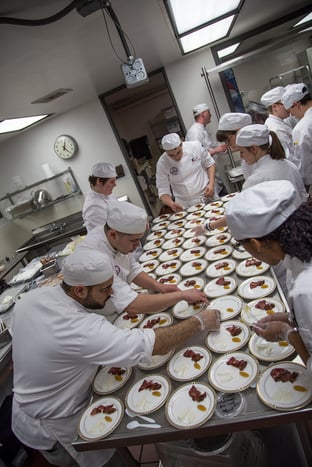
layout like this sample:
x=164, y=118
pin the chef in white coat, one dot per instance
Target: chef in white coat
x=102, y=182
x=126, y=225
x=185, y=173
x=58, y=345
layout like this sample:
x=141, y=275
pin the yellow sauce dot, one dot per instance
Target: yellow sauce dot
x=283, y=343
x=269, y=312
x=201, y=407
x=156, y=393
x=118, y=377
x=108, y=419
x=196, y=307
x=259, y=267
x=221, y=228
x=236, y=339
x=197, y=254
x=244, y=374
x=172, y=281
x=300, y=388
x=230, y=310
x=154, y=254
x=223, y=252
x=198, y=268
x=196, y=286
x=226, y=268
x=197, y=366
x=264, y=286
x=163, y=321
x=226, y=286
x=134, y=320
x=221, y=241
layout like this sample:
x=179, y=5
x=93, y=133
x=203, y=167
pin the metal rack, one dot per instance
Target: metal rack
x=295, y=75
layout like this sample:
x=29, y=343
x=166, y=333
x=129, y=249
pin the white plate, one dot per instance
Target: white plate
x=269, y=351
x=92, y=427
x=161, y=218
x=183, y=412
x=240, y=254
x=227, y=378
x=156, y=361
x=214, y=212
x=192, y=283
x=193, y=267
x=267, y=288
x=194, y=223
x=229, y=196
x=229, y=306
x=177, y=216
x=164, y=320
x=219, y=252
x=284, y=396
x=150, y=265
x=218, y=239
x=183, y=368
x=194, y=242
x=168, y=267
x=251, y=314
x=162, y=225
x=145, y=401
x=195, y=215
x=188, y=233
x=173, y=243
x=151, y=245
x=193, y=253
x=150, y=254
x=174, y=234
x=247, y=271
x=170, y=254
x=222, y=341
x=125, y=322
x=155, y=235
x=183, y=309
x=170, y=279
x=228, y=267
x=106, y=383
x=212, y=289
x=196, y=207
x=213, y=205
x=177, y=224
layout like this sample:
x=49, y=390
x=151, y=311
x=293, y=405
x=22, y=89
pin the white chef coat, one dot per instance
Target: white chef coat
x=57, y=347
x=94, y=211
x=187, y=177
x=302, y=138
x=284, y=133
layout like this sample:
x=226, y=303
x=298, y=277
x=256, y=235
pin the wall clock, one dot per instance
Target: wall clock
x=65, y=146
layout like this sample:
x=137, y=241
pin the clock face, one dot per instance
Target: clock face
x=65, y=146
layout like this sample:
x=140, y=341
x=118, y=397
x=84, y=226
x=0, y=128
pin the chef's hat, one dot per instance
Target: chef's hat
x=170, y=141
x=259, y=210
x=126, y=217
x=103, y=170
x=272, y=96
x=253, y=135
x=199, y=108
x=87, y=267
x=233, y=121
x=294, y=93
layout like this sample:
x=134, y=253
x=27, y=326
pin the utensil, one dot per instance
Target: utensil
x=132, y=414
x=135, y=424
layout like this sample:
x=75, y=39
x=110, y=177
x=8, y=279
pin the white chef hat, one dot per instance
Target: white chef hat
x=233, y=121
x=126, y=217
x=199, y=108
x=294, y=93
x=255, y=134
x=272, y=96
x=103, y=170
x=170, y=141
x=87, y=267
x=259, y=210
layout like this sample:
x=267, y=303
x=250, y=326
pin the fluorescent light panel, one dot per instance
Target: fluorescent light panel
x=304, y=20
x=227, y=50
x=206, y=35
x=16, y=124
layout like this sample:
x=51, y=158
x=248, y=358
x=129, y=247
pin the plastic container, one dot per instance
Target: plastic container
x=50, y=268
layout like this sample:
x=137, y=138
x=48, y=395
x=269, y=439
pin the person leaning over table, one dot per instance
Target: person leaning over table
x=272, y=224
x=186, y=171
x=102, y=182
x=126, y=225
x=58, y=344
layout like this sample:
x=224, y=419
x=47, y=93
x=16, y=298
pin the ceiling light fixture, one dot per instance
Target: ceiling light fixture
x=228, y=50
x=16, y=124
x=303, y=20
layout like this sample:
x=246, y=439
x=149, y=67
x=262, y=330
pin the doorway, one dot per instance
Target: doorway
x=140, y=117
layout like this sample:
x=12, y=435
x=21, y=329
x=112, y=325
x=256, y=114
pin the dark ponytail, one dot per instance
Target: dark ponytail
x=276, y=149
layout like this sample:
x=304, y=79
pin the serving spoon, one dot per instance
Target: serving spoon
x=132, y=415
x=135, y=424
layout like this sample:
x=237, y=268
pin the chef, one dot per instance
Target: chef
x=102, y=182
x=274, y=227
x=185, y=173
x=126, y=225
x=58, y=344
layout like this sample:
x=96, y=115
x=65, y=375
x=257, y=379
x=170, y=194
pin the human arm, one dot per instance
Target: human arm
x=210, y=225
x=209, y=190
x=148, y=282
x=217, y=149
x=168, y=201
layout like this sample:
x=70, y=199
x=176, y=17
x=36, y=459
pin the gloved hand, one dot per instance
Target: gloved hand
x=282, y=317
x=199, y=230
x=209, y=319
x=273, y=331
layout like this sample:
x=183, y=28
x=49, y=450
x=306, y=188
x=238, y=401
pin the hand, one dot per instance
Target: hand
x=199, y=229
x=221, y=148
x=194, y=296
x=210, y=319
x=273, y=331
x=176, y=207
x=167, y=288
x=209, y=191
x=282, y=317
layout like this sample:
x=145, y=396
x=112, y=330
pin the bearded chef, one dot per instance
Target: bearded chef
x=185, y=173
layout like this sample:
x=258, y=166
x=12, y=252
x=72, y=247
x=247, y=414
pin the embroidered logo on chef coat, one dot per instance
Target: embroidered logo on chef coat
x=117, y=269
x=195, y=158
x=174, y=171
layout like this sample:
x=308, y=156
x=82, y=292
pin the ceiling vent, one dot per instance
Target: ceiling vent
x=52, y=96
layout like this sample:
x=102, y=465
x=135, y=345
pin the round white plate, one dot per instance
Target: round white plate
x=192, y=283
x=251, y=313
x=214, y=212
x=269, y=351
x=150, y=265
x=168, y=267
x=267, y=288
x=285, y=396
x=194, y=223
x=150, y=254
x=228, y=266
x=177, y=216
x=227, y=378
x=240, y=253
x=160, y=320
x=177, y=224
x=247, y=271
x=170, y=279
x=229, y=306
x=213, y=205
x=194, y=242
x=148, y=401
x=183, y=310
x=193, y=253
x=125, y=322
x=155, y=235
x=196, y=207
x=229, y=196
x=161, y=218
x=170, y=254
x=195, y=215
x=193, y=267
x=156, y=361
x=213, y=289
x=162, y=225
x=220, y=230
x=105, y=382
x=219, y=252
x=219, y=239
x=222, y=341
x=153, y=244
x=92, y=427
x=172, y=243
x=189, y=233
x=182, y=368
x=183, y=412
x=174, y=234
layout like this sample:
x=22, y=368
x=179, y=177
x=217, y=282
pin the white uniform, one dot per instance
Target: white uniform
x=57, y=348
x=284, y=133
x=187, y=177
x=94, y=211
x=302, y=138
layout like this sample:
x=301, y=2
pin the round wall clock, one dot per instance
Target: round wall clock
x=65, y=146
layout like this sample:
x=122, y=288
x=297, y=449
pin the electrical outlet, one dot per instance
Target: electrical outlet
x=134, y=73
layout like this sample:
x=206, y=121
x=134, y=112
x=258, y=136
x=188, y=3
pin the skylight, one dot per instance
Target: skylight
x=227, y=50
x=16, y=124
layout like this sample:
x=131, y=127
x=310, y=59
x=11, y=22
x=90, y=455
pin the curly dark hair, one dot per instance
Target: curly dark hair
x=295, y=234
x=92, y=180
